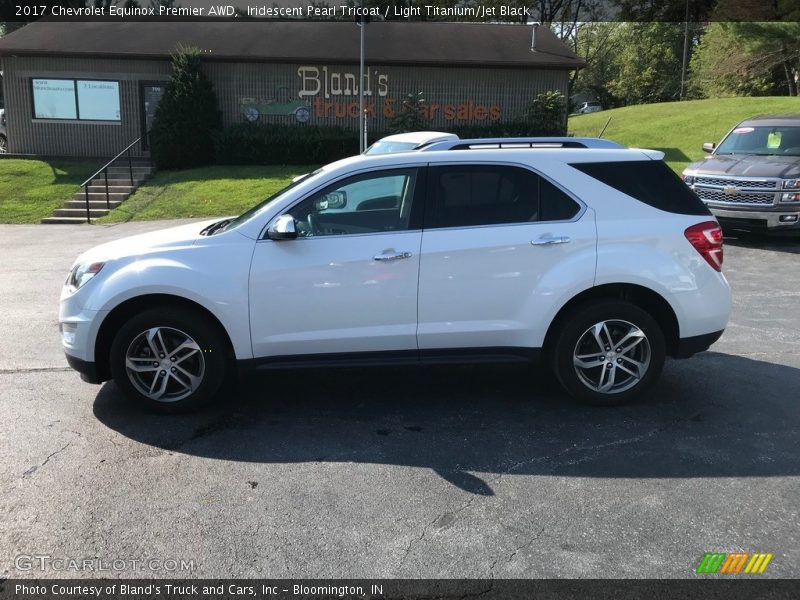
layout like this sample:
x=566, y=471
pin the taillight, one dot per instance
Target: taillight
x=707, y=240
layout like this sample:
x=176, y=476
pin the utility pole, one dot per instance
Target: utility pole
x=362, y=118
x=685, y=51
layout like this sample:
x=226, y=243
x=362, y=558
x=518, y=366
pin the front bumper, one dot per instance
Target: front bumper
x=692, y=345
x=78, y=327
x=87, y=370
x=782, y=220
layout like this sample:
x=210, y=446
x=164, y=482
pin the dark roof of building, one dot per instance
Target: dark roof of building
x=451, y=44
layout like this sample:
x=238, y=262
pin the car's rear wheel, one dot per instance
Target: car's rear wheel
x=608, y=353
x=169, y=359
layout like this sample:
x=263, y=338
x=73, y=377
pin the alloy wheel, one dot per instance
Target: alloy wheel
x=611, y=356
x=165, y=364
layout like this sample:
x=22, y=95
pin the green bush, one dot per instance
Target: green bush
x=186, y=116
x=258, y=144
x=547, y=114
x=411, y=115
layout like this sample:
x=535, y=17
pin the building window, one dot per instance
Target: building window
x=76, y=99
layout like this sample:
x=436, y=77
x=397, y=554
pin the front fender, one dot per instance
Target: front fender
x=212, y=277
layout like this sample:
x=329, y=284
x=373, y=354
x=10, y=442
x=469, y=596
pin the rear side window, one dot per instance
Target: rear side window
x=649, y=181
x=555, y=205
x=470, y=195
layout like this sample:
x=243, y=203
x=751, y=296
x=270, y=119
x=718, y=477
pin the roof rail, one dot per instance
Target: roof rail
x=521, y=142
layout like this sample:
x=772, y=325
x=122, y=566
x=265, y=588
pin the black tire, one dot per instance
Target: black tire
x=209, y=362
x=577, y=329
x=3, y=144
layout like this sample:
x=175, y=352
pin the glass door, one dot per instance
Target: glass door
x=151, y=96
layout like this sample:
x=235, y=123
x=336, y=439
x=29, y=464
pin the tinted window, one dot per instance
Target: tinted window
x=649, y=181
x=369, y=203
x=468, y=195
x=555, y=205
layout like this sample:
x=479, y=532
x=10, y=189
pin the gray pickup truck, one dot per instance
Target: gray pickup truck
x=752, y=179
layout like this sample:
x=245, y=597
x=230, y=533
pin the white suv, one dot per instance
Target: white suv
x=600, y=259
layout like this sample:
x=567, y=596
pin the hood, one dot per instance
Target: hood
x=744, y=165
x=145, y=243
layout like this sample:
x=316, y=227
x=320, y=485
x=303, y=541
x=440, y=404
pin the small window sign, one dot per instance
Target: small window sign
x=774, y=140
x=54, y=99
x=98, y=100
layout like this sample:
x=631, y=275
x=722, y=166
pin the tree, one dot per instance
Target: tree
x=772, y=46
x=187, y=115
x=631, y=63
x=599, y=44
x=648, y=63
x=717, y=67
x=748, y=58
x=411, y=116
x=666, y=10
x=547, y=114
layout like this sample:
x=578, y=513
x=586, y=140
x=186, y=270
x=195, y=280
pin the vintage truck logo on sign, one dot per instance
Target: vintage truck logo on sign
x=281, y=104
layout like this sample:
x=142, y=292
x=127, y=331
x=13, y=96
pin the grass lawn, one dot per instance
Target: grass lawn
x=678, y=128
x=32, y=189
x=205, y=192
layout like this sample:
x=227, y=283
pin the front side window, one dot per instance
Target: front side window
x=369, y=203
x=471, y=195
x=76, y=99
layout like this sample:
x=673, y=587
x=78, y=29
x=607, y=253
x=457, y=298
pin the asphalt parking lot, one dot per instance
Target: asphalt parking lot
x=435, y=472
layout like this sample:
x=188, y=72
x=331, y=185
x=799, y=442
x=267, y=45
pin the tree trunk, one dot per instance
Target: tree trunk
x=790, y=83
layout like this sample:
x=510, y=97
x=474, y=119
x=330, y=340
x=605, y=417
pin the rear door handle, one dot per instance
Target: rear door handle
x=549, y=240
x=391, y=257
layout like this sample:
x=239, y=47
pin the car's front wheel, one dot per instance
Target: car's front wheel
x=169, y=359
x=608, y=353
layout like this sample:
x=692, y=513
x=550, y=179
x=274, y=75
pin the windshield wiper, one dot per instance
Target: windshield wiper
x=215, y=227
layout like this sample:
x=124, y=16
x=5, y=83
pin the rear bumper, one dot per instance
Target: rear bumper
x=698, y=343
x=87, y=370
x=759, y=219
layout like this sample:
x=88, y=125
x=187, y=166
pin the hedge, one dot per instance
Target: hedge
x=255, y=144
x=259, y=144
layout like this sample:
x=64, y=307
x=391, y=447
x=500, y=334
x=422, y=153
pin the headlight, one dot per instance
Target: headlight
x=791, y=196
x=688, y=179
x=81, y=274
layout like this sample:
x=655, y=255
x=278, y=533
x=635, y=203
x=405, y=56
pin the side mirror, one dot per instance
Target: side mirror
x=709, y=147
x=331, y=200
x=282, y=228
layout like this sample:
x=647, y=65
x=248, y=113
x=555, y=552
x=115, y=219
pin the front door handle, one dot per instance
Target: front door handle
x=391, y=257
x=549, y=240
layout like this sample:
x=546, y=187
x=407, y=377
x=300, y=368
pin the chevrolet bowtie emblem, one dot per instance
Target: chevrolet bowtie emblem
x=730, y=190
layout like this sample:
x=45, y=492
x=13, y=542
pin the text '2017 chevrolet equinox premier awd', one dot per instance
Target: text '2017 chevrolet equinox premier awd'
x=594, y=256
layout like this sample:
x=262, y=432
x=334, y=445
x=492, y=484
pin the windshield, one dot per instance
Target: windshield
x=766, y=141
x=390, y=147
x=245, y=216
